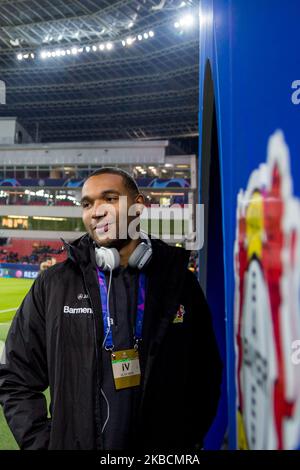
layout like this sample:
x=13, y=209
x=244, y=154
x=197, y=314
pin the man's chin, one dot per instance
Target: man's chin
x=107, y=242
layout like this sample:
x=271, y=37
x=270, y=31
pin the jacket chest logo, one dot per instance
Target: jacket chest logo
x=82, y=296
x=77, y=310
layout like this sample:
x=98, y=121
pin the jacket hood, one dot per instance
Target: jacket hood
x=79, y=250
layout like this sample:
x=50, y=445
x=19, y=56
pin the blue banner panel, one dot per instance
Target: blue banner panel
x=249, y=117
x=19, y=271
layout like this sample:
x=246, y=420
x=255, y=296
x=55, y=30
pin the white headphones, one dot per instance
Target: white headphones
x=108, y=259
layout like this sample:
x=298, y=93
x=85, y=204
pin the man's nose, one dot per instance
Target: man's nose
x=99, y=211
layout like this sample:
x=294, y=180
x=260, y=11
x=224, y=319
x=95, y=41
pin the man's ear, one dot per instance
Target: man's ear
x=140, y=199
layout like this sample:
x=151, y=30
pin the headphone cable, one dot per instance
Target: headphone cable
x=107, y=333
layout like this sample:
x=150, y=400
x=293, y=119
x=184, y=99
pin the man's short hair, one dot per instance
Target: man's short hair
x=128, y=181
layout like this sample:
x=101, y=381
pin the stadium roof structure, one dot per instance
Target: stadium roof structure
x=100, y=69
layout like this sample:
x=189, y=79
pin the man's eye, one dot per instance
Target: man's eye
x=85, y=204
x=111, y=198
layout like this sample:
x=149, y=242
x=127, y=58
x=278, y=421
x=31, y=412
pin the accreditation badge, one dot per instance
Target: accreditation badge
x=126, y=368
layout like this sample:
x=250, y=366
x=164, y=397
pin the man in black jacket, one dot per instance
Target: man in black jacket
x=58, y=339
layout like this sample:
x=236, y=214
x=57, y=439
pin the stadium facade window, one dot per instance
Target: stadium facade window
x=69, y=172
x=43, y=172
x=20, y=173
x=10, y=172
x=32, y=172
x=55, y=172
x=82, y=171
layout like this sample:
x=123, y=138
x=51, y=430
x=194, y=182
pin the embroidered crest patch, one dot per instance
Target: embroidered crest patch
x=179, y=315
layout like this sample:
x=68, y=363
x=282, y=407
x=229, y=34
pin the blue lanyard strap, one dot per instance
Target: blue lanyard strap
x=140, y=308
x=106, y=315
x=105, y=310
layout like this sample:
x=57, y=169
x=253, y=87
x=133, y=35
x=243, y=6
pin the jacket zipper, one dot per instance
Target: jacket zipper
x=98, y=387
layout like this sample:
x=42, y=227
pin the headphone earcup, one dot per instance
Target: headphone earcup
x=107, y=258
x=140, y=256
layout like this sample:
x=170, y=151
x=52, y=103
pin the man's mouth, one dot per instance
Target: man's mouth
x=102, y=228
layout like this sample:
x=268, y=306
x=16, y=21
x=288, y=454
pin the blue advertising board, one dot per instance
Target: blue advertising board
x=19, y=271
x=249, y=169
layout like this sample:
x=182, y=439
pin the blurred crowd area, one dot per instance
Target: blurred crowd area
x=43, y=253
x=39, y=255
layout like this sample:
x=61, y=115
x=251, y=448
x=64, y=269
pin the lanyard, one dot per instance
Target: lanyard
x=106, y=316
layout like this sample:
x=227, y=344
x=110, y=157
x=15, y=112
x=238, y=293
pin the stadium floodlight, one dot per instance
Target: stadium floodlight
x=186, y=21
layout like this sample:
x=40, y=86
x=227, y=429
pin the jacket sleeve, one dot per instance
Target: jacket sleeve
x=23, y=373
x=205, y=362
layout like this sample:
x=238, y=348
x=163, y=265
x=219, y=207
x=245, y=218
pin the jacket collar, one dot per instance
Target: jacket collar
x=79, y=251
x=166, y=261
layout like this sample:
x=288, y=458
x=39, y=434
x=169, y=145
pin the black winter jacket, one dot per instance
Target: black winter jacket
x=55, y=340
